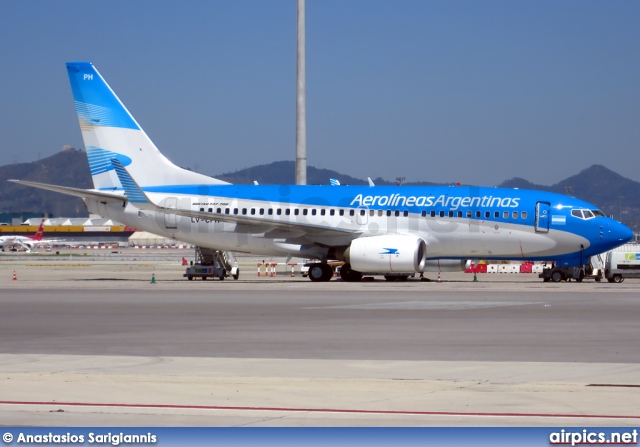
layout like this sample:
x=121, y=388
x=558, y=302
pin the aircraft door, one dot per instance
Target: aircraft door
x=170, y=221
x=542, y=217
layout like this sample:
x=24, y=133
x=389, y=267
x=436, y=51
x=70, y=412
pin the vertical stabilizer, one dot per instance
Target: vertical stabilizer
x=110, y=132
x=38, y=235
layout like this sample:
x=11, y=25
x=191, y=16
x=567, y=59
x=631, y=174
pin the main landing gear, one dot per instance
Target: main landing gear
x=320, y=273
x=349, y=275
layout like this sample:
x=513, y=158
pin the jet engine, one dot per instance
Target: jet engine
x=387, y=254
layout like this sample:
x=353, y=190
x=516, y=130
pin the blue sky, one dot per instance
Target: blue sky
x=443, y=91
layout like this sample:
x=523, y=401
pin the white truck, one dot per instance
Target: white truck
x=622, y=262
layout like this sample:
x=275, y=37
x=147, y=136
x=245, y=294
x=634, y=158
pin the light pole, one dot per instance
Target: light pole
x=301, y=106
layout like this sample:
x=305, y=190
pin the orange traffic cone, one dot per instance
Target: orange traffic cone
x=15, y=278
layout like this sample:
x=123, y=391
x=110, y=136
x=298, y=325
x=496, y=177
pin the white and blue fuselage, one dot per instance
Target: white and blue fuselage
x=372, y=228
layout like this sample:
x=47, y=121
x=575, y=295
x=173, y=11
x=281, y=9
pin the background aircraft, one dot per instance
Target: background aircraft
x=26, y=242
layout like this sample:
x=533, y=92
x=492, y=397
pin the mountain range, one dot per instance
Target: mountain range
x=613, y=194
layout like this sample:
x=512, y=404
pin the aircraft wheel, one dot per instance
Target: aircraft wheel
x=349, y=275
x=237, y=275
x=327, y=272
x=315, y=273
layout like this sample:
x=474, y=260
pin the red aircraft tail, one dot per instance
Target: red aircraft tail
x=38, y=235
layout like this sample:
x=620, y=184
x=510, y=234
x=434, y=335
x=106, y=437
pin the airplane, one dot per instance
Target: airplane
x=26, y=242
x=380, y=229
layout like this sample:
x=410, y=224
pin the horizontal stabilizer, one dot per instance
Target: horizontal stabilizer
x=83, y=193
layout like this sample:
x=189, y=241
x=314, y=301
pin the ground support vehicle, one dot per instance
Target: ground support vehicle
x=212, y=263
x=592, y=270
x=622, y=262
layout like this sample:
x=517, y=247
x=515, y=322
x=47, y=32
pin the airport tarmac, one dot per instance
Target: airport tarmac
x=88, y=340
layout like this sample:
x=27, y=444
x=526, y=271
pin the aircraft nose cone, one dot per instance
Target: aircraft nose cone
x=621, y=233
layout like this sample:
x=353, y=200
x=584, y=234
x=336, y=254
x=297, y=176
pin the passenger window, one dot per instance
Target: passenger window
x=235, y=211
x=362, y=212
x=372, y=213
x=279, y=211
x=469, y=214
x=397, y=213
x=478, y=214
x=332, y=212
x=424, y=213
x=341, y=212
x=450, y=213
x=313, y=212
x=380, y=213
x=270, y=211
x=322, y=211
x=210, y=210
x=515, y=214
x=487, y=214
x=524, y=214
x=433, y=213
x=253, y=211
x=388, y=213
x=406, y=213
x=202, y=210
x=496, y=214
x=226, y=210
x=441, y=213
x=459, y=213
x=296, y=211
x=505, y=214
x=287, y=212
x=218, y=210
x=244, y=211
x=305, y=211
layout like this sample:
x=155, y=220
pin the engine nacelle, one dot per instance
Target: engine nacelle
x=446, y=265
x=387, y=254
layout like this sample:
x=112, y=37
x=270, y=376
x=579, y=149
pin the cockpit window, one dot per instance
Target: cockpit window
x=587, y=214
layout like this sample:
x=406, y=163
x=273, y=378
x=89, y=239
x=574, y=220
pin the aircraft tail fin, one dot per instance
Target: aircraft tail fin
x=38, y=235
x=110, y=132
